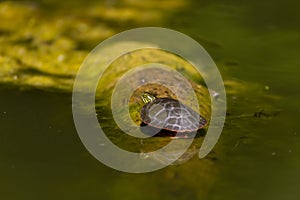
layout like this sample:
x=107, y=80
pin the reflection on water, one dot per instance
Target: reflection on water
x=255, y=45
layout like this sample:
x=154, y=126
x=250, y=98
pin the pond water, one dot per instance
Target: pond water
x=255, y=44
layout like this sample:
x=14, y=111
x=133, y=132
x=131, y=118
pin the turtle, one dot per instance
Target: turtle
x=169, y=117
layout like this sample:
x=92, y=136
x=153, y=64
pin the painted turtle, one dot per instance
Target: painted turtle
x=169, y=117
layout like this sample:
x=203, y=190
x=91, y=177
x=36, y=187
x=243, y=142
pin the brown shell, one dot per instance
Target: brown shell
x=171, y=115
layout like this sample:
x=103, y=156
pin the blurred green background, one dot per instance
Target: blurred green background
x=255, y=45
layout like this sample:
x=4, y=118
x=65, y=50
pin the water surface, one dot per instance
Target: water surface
x=256, y=47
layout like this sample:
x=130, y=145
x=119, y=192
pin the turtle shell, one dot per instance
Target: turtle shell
x=171, y=115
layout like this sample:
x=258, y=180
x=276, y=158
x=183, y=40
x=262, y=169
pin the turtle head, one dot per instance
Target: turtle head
x=147, y=97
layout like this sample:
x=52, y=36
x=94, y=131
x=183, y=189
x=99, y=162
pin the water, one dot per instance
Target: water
x=255, y=44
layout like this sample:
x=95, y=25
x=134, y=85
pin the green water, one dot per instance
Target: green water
x=254, y=43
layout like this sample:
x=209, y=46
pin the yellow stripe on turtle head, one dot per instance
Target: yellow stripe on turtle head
x=147, y=97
